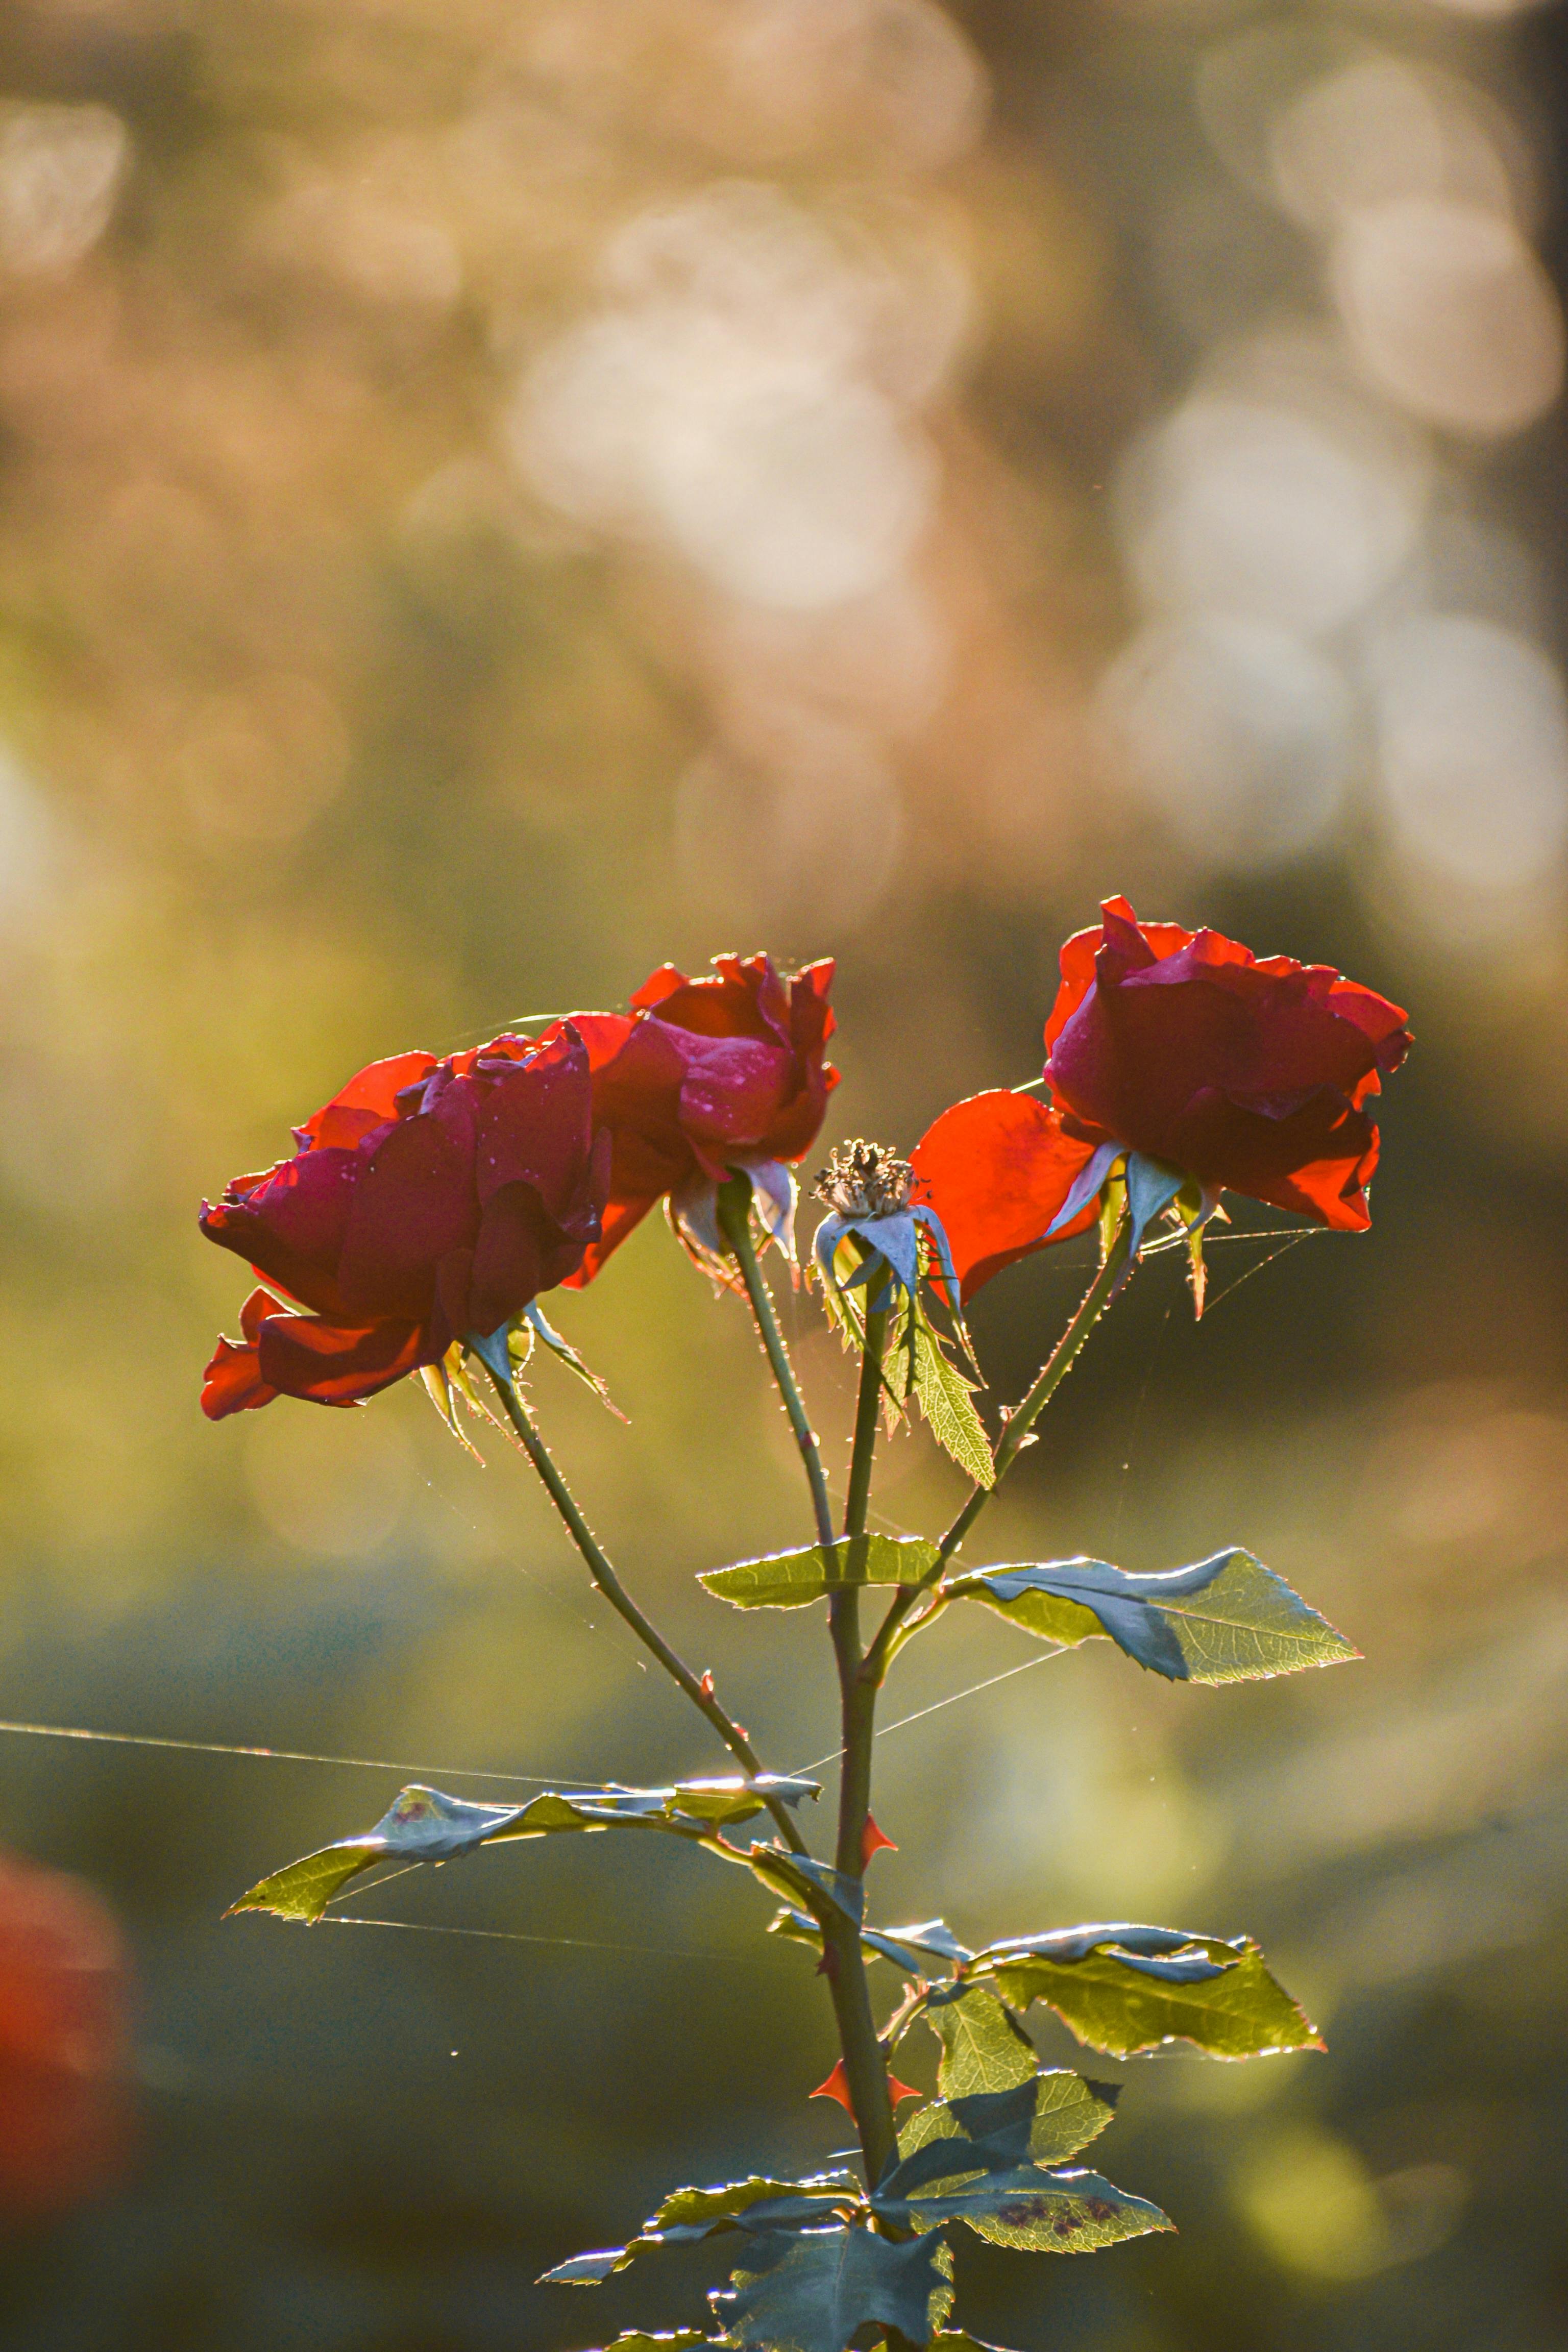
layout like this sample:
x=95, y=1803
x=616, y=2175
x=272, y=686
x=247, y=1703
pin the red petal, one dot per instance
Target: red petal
x=997, y=1169
x=367, y=1101
x=327, y=1363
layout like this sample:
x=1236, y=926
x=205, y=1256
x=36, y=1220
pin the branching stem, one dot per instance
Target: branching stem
x=893, y=1631
x=620, y=1600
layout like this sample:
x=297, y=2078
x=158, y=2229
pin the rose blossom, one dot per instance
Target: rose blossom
x=1182, y=1049
x=429, y=1201
x=703, y=1075
x=1249, y=1075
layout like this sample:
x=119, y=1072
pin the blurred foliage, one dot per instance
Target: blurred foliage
x=495, y=496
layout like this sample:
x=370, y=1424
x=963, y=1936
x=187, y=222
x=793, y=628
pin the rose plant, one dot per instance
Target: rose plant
x=433, y=1202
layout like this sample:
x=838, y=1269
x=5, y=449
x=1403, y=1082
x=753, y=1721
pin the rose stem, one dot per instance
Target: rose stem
x=865, y=2061
x=735, y=1222
x=619, y=1599
x=1019, y=1423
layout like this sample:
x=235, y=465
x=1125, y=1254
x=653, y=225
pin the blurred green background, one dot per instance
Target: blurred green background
x=499, y=492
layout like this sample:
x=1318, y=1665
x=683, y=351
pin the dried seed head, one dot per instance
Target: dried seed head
x=865, y=1180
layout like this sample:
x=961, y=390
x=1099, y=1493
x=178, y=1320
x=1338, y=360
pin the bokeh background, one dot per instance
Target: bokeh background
x=495, y=493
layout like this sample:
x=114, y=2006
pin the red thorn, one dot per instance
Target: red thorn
x=705, y=1684
x=837, y=2087
x=742, y=1729
x=872, y=1841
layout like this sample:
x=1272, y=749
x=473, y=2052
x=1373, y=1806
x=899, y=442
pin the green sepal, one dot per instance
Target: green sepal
x=814, y=2293
x=791, y=1579
x=532, y=1322
x=1125, y=1989
x=425, y=1825
x=1227, y=1619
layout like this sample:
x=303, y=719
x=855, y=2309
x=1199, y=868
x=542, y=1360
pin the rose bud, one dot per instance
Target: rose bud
x=429, y=1202
x=702, y=1078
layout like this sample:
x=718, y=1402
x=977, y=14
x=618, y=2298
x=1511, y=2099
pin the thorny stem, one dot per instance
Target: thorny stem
x=620, y=1600
x=1019, y=1423
x=735, y=1221
x=865, y=2061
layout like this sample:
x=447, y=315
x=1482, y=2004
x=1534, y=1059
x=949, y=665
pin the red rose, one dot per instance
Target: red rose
x=63, y=2041
x=704, y=1074
x=1249, y=1076
x=429, y=1200
x=997, y=1170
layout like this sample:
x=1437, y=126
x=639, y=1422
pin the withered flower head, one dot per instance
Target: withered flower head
x=865, y=1180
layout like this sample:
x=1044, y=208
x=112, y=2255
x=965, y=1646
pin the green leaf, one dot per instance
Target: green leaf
x=689, y=2215
x=686, y=2207
x=1065, y=2112
x=679, y=2339
x=425, y=1825
x=591, y=2270
x=789, y=1580
x=984, y=2047
x=910, y=1949
x=947, y=1401
x=799, y=1879
x=1228, y=1619
x=814, y=2293
x=1124, y=1989
x=1035, y=2211
x=955, y=2341
x=981, y=2159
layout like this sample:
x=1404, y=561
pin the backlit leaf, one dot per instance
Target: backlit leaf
x=1124, y=1989
x=679, y=2339
x=1035, y=2211
x=687, y=2206
x=1228, y=1619
x=690, y=2215
x=813, y=2294
x=983, y=2048
x=427, y=1825
x=800, y=1879
x=947, y=1401
x=914, y=1949
x=790, y=1579
x=1064, y=2115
